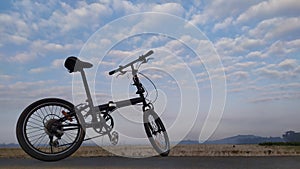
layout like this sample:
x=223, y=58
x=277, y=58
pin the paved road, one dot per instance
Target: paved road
x=160, y=162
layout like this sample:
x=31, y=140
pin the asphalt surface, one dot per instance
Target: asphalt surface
x=160, y=162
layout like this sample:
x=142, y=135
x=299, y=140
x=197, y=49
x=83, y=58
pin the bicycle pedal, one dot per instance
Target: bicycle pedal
x=114, y=138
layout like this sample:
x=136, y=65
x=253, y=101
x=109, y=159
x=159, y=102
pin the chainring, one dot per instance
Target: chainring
x=104, y=127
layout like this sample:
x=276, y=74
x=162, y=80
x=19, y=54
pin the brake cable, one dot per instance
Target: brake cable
x=156, y=92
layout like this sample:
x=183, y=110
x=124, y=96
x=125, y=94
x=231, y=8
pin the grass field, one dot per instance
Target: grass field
x=179, y=150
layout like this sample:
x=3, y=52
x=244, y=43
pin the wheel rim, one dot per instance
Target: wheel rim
x=158, y=134
x=36, y=129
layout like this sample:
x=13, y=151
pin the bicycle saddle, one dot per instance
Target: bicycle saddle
x=73, y=64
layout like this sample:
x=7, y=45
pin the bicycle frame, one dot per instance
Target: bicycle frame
x=64, y=124
x=111, y=105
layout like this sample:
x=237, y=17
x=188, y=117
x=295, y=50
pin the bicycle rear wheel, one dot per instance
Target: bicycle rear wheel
x=156, y=132
x=43, y=136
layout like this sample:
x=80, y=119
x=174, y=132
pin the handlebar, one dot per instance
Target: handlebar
x=141, y=58
x=148, y=53
x=112, y=72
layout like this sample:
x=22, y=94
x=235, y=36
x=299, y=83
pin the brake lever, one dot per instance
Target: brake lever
x=149, y=59
x=146, y=60
x=122, y=72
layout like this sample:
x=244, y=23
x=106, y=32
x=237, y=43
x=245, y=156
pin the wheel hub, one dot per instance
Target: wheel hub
x=53, y=128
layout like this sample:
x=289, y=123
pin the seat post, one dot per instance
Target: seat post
x=87, y=89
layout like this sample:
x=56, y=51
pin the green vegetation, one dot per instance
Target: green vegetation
x=280, y=144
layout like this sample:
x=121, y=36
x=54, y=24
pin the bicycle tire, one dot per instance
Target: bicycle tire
x=152, y=133
x=23, y=123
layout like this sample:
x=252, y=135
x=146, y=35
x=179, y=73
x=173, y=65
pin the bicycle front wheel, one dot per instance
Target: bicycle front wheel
x=43, y=135
x=156, y=132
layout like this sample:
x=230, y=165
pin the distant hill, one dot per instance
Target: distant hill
x=187, y=142
x=291, y=136
x=245, y=139
x=10, y=145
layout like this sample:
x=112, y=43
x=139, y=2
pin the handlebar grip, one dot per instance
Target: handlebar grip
x=149, y=53
x=141, y=58
x=112, y=72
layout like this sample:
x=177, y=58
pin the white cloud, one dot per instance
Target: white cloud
x=270, y=9
x=86, y=16
x=150, y=42
x=198, y=19
x=127, y=7
x=268, y=92
x=223, y=25
x=234, y=46
x=110, y=64
x=154, y=76
x=266, y=53
x=4, y=77
x=38, y=70
x=277, y=92
x=170, y=8
x=35, y=89
x=31, y=9
x=221, y=9
x=26, y=85
x=22, y=57
x=276, y=96
x=120, y=53
x=16, y=24
x=42, y=48
x=285, y=70
x=278, y=48
x=241, y=86
x=13, y=29
x=272, y=73
x=16, y=39
x=58, y=63
x=237, y=76
x=288, y=64
x=68, y=18
x=277, y=28
x=124, y=6
x=255, y=54
x=246, y=64
x=20, y=24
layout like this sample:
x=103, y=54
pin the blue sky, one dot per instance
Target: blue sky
x=257, y=41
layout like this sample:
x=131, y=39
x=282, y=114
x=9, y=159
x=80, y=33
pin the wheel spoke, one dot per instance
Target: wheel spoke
x=34, y=131
x=41, y=122
x=69, y=137
x=36, y=135
x=37, y=115
x=40, y=130
x=37, y=139
x=41, y=140
x=34, y=127
x=159, y=138
x=38, y=125
x=38, y=120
